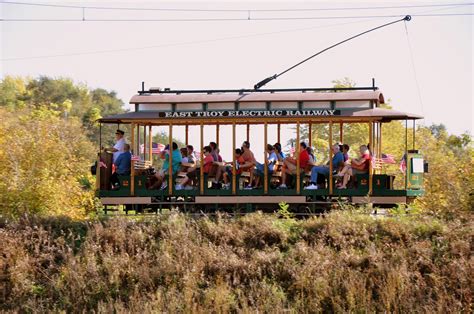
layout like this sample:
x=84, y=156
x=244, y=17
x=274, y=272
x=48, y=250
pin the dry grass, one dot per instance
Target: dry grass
x=344, y=262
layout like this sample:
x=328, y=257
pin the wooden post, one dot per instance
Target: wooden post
x=138, y=140
x=234, y=173
x=265, y=171
x=380, y=139
x=341, y=132
x=201, y=169
x=97, y=173
x=186, y=134
x=372, y=151
x=248, y=132
x=278, y=132
x=145, y=147
x=170, y=164
x=298, y=152
x=406, y=155
x=150, y=143
x=132, y=170
x=330, y=159
x=310, y=135
x=217, y=135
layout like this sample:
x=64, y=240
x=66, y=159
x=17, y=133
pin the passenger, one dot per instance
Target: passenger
x=345, y=152
x=250, y=162
x=290, y=165
x=208, y=161
x=278, y=151
x=271, y=160
x=358, y=166
x=216, y=169
x=184, y=155
x=215, y=152
x=119, y=145
x=176, y=164
x=312, y=158
x=122, y=166
x=192, y=158
x=239, y=161
x=337, y=161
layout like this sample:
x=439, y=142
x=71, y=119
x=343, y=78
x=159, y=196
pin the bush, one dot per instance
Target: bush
x=345, y=262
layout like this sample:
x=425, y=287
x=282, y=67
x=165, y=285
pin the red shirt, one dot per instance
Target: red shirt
x=367, y=161
x=247, y=155
x=240, y=161
x=208, y=161
x=304, y=158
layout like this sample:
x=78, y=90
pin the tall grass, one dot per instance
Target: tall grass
x=343, y=262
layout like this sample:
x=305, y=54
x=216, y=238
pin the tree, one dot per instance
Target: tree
x=45, y=164
x=63, y=96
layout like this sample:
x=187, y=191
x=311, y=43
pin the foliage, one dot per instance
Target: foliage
x=345, y=262
x=43, y=160
x=62, y=96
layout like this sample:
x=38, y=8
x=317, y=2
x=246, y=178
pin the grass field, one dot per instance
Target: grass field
x=343, y=262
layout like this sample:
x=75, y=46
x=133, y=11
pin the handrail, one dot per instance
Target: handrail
x=212, y=91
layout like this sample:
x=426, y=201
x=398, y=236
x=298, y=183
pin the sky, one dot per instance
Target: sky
x=423, y=66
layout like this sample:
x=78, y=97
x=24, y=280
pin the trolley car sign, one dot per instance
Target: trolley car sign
x=249, y=113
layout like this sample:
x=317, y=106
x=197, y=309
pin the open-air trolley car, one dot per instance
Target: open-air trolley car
x=299, y=107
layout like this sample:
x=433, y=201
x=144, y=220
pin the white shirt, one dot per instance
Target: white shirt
x=119, y=146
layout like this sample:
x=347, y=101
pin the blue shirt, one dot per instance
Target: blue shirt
x=337, y=159
x=176, y=161
x=123, y=163
x=271, y=160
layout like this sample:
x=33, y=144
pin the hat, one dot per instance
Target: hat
x=119, y=132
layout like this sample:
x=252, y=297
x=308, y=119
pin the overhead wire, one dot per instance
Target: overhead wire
x=234, y=19
x=215, y=39
x=185, y=43
x=412, y=61
x=233, y=10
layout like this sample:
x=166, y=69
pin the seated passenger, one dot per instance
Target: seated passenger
x=215, y=152
x=278, y=152
x=192, y=158
x=184, y=155
x=345, y=152
x=357, y=166
x=207, y=164
x=176, y=164
x=239, y=161
x=337, y=161
x=249, y=163
x=290, y=165
x=122, y=166
x=312, y=158
x=271, y=160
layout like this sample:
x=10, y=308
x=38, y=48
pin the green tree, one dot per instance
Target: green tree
x=62, y=95
x=45, y=162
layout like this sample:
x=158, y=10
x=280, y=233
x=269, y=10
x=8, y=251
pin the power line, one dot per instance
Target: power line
x=232, y=10
x=412, y=60
x=234, y=19
x=183, y=43
x=274, y=77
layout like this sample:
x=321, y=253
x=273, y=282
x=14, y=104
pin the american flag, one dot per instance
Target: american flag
x=136, y=157
x=403, y=164
x=156, y=148
x=388, y=159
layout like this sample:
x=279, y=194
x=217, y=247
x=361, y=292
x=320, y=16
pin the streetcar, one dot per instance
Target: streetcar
x=272, y=109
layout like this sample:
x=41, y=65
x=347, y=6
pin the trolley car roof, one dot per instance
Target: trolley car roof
x=257, y=97
x=257, y=107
